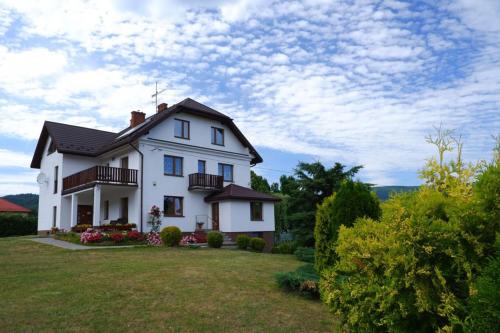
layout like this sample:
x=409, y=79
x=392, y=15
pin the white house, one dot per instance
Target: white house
x=188, y=159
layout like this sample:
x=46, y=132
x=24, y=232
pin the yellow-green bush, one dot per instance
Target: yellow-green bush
x=353, y=200
x=171, y=236
x=412, y=271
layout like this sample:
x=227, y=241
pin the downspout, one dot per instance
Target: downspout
x=142, y=180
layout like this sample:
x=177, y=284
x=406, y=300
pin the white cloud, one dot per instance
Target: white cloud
x=362, y=82
x=13, y=159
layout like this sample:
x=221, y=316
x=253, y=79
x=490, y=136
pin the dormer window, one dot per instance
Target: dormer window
x=217, y=136
x=52, y=147
x=181, y=129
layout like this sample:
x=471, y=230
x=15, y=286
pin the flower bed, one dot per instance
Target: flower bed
x=98, y=237
x=104, y=227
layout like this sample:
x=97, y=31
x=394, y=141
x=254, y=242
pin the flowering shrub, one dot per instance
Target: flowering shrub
x=201, y=237
x=134, y=235
x=91, y=236
x=80, y=227
x=189, y=239
x=154, y=218
x=154, y=239
x=110, y=227
x=117, y=238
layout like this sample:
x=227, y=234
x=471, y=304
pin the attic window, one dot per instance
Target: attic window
x=52, y=147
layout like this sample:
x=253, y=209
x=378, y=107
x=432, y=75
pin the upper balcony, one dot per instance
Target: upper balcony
x=205, y=182
x=99, y=174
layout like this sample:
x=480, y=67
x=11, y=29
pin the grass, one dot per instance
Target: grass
x=48, y=289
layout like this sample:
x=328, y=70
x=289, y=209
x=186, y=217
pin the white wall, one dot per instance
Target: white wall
x=47, y=198
x=161, y=141
x=200, y=133
x=234, y=216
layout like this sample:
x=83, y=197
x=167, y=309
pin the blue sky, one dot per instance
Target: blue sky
x=360, y=82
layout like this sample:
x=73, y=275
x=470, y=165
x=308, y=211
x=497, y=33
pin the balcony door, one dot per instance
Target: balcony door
x=124, y=163
x=215, y=216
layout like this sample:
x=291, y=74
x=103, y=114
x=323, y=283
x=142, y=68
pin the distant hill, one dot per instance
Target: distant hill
x=383, y=192
x=27, y=200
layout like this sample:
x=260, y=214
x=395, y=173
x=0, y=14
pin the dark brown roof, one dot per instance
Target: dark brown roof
x=236, y=192
x=91, y=142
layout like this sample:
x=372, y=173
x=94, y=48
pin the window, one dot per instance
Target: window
x=56, y=178
x=172, y=206
x=226, y=171
x=217, y=136
x=256, y=211
x=52, y=147
x=172, y=165
x=181, y=129
x=202, y=166
x=106, y=209
x=54, y=216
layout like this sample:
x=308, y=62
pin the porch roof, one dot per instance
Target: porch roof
x=236, y=192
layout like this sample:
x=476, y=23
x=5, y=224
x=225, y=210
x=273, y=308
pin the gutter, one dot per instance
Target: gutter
x=142, y=181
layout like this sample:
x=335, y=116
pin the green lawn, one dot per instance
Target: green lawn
x=43, y=288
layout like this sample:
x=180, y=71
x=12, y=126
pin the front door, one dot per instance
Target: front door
x=84, y=214
x=215, y=216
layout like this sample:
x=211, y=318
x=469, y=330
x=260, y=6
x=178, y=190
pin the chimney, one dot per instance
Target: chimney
x=162, y=107
x=138, y=118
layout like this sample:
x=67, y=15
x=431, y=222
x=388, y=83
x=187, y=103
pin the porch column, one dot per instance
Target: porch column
x=96, y=218
x=74, y=209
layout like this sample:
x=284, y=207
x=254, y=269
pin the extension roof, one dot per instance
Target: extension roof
x=70, y=139
x=236, y=192
x=9, y=207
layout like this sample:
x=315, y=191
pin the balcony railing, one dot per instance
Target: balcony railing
x=101, y=174
x=206, y=182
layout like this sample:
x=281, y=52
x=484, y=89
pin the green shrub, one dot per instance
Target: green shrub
x=242, y=241
x=215, y=239
x=171, y=236
x=304, y=281
x=257, y=244
x=305, y=254
x=285, y=247
x=352, y=200
x=484, y=306
x=413, y=270
x=17, y=225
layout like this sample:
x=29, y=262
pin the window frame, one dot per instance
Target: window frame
x=54, y=216
x=214, y=136
x=52, y=147
x=181, y=200
x=219, y=171
x=183, y=135
x=174, y=174
x=106, y=209
x=56, y=178
x=204, y=166
x=252, y=211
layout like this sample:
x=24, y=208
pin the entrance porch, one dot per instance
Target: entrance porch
x=100, y=205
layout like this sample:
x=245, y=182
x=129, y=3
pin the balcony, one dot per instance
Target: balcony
x=99, y=174
x=205, y=182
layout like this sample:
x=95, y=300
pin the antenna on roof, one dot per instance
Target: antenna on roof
x=155, y=95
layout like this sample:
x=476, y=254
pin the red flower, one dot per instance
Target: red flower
x=117, y=238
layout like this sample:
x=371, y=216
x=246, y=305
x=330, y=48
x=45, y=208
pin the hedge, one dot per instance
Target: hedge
x=17, y=225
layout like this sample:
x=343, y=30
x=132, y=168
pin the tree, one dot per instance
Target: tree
x=259, y=183
x=309, y=186
x=353, y=200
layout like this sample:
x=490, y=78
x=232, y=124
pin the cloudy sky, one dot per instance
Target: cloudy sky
x=360, y=82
